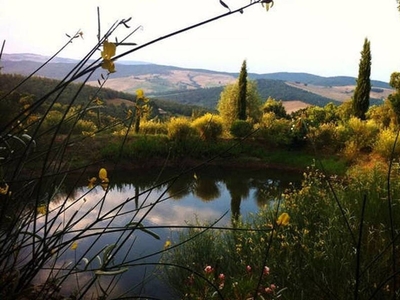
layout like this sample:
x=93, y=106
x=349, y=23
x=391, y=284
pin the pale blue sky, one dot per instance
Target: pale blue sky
x=314, y=36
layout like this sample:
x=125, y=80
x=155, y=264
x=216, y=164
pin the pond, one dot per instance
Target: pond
x=159, y=202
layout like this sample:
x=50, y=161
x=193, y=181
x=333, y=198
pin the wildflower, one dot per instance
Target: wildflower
x=103, y=174
x=103, y=178
x=221, y=277
x=74, y=245
x=268, y=290
x=248, y=269
x=108, y=65
x=139, y=94
x=208, y=269
x=283, y=219
x=266, y=270
x=42, y=209
x=107, y=53
x=4, y=190
x=167, y=244
x=92, y=182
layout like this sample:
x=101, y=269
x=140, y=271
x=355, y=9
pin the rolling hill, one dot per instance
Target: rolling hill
x=196, y=86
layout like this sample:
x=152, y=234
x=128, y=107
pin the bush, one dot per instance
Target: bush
x=240, y=128
x=325, y=137
x=209, y=126
x=153, y=127
x=384, y=144
x=180, y=129
x=361, y=133
x=274, y=131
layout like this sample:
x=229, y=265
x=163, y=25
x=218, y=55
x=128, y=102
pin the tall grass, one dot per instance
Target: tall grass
x=52, y=244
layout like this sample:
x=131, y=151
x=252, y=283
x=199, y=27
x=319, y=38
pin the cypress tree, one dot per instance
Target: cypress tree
x=242, y=92
x=361, y=93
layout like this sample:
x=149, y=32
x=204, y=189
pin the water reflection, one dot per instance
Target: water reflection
x=204, y=194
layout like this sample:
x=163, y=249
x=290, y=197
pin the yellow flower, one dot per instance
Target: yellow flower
x=4, y=190
x=108, y=65
x=283, y=219
x=74, y=245
x=108, y=52
x=139, y=94
x=42, y=209
x=92, y=182
x=103, y=174
x=167, y=244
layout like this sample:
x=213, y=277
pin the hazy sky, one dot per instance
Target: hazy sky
x=314, y=36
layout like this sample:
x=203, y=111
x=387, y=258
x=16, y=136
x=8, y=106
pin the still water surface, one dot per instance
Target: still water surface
x=159, y=203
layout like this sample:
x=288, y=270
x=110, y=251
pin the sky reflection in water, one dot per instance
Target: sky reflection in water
x=205, y=196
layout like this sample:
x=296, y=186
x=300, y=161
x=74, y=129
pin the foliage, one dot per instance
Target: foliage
x=276, y=107
x=273, y=130
x=242, y=97
x=394, y=98
x=180, y=129
x=335, y=245
x=241, y=128
x=209, y=126
x=142, y=109
x=387, y=144
x=383, y=114
x=363, y=87
x=228, y=103
x=153, y=127
x=231, y=261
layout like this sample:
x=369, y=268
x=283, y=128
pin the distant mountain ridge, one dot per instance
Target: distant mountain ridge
x=196, y=86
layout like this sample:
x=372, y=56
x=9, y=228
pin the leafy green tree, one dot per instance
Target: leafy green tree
x=361, y=93
x=242, y=92
x=276, y=107
x=142, y=108
x=228, y=103
x=395, y=97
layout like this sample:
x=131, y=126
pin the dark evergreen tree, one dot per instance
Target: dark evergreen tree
x=242, y=92
x=361, y=93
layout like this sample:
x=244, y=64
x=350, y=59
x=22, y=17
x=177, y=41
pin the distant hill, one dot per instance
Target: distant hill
x=197, y=86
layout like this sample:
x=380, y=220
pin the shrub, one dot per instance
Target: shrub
x=275, y=131
x=209, y=126
x=240, y=128
x=153, y=127
x=385, y=144
x=180, y=129
x=361, y=133
x=324, y=137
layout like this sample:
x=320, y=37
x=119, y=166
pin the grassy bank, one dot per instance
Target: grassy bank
x=144, y=151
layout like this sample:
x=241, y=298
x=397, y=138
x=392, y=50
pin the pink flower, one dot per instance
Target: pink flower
x=208, y=269
x=271, y=289
x=266, y=270
x=221, y=277
x=248, y=269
